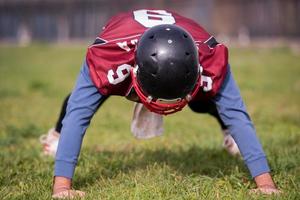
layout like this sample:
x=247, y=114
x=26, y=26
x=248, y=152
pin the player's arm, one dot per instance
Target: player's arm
x=233, y=112
x=82, y=105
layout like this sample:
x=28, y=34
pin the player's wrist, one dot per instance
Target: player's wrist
x=61, y=184
x=264, y=181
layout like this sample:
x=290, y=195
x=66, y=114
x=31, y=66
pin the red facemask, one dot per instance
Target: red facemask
x=163, y=106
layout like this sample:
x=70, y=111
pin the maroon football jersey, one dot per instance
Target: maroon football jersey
x=112, y=54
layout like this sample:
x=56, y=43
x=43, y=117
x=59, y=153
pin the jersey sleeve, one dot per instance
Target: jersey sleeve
x=213, y=58
x=112, y=55
x=110, y=68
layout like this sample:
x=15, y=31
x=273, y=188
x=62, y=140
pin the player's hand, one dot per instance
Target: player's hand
x=68, y=194
x=265, y=190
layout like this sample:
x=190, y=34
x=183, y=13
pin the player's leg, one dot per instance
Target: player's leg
x=210, y=108
x=50, y=140
x=62, y=114
x=207, y=107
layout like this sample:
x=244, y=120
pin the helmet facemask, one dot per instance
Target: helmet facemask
x=162, y=106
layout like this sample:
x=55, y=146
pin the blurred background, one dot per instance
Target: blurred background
x=235, y=21
x=42, y=46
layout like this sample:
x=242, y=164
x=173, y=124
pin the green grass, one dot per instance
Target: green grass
x=186, y=163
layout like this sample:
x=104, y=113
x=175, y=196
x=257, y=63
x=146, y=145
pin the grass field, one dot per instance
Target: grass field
x=188, y=162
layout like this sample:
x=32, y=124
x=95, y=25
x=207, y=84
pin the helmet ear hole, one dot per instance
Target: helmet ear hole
x=154, y=74
x=187, y=71
x=185, y=35
x=153, y=55
x=151, y=37
x=187, y=53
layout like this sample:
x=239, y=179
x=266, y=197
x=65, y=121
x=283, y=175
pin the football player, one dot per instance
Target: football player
x=164, y=61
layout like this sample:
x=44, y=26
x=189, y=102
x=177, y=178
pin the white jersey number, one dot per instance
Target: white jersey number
x=150, y=18
x=122, y=72
x=206, y=83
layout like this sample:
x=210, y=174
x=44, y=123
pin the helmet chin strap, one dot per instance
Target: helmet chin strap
x=163, y=106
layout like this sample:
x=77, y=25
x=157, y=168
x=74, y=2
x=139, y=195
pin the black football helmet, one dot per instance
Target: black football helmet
x=167, y=72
